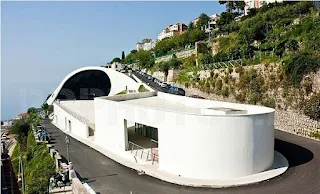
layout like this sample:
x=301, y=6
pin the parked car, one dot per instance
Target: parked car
x=163, y=84
x=177, y=91
x=4, y=137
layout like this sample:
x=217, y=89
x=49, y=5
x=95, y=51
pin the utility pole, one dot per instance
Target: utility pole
x=67, y=144
x=21, y=171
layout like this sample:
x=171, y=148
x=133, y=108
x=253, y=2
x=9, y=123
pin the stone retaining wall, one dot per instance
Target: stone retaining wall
x=285, y=120
x=182, y=54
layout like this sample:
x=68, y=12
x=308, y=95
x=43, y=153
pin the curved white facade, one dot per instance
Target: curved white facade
x=198, y=140
x=192, y=143
x=119, y=81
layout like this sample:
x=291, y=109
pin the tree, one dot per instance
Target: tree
x=20, y=129
x=123, y=56
x=190, y=26
x=311, y=107
x=226, y=18
x=229, y=4
x=203, y=20
x=240, y=5
x=47, y=109
x=195, y=36
x=1, y=123
x=292, y=45
x=32, y=110
x=206, y=59
x=144, y=59
x=172, y=64
x=130, y=58
x=117, y=60
x=133, y=51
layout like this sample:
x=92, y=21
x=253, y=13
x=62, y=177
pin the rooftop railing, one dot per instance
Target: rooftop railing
x=75, y=115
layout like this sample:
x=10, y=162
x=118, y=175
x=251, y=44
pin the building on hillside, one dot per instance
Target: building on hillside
x=161, y=133
x=172, y=30
x=212, y=24
x=146, y=44
x=257, y=4
x=316, y=4
x=194, y=22
x=20, y=116
x=7, y=123
x=115, y=66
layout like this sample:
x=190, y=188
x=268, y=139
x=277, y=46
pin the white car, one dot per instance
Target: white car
x=163, y=84
x=4, y=137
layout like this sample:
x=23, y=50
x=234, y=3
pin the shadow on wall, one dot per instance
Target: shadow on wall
x=295, y=154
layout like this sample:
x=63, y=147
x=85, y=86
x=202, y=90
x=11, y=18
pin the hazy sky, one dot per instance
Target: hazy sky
x=44, y=41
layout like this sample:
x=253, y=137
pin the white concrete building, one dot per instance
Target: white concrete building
x=257, y=4
x=7, y=123
x=175, y=138
x=212, y=23
x=115, y=66
x=172, y=30
x=146, y=44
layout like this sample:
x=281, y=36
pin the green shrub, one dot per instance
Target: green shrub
x=218, y=86
x=211, y=73
x=39, y=170
x=122, y=92
x=142, y=89
x=285, y=91
x=225, y=91
x=15, y=158
x=241, y=97
x=299, y=66
x=315, y=135
x=269, y=102
x=311, y=107
x=307, y=85
x=226, y=79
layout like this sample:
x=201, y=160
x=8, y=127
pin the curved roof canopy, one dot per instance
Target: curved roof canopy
x=89, y=82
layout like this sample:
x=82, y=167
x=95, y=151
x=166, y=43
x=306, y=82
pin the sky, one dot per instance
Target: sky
x=41, y=42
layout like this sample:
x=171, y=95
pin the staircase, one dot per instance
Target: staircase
x=8, y=177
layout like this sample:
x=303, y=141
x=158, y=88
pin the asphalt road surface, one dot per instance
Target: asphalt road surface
x=108, y=177
x=152, y=84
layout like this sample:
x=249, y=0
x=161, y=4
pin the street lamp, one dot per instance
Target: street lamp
x=67, y=144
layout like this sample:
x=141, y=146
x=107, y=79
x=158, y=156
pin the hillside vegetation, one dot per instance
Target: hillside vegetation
x=285, y=37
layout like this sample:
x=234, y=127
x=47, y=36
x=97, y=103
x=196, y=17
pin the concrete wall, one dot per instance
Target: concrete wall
x=194, y=145
x=77, y=127
x=161, y=76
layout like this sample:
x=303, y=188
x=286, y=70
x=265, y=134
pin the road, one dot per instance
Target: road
x=108, y=177
x=152, y=84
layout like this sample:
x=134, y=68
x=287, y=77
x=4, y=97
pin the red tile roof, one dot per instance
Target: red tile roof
x=22, y=114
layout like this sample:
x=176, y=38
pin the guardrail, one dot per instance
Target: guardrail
x=149, y=154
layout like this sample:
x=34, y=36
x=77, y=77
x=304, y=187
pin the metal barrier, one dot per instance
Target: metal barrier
x=148, y=153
